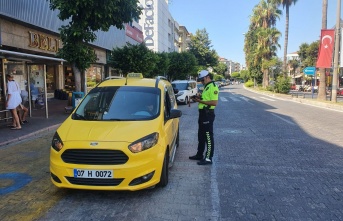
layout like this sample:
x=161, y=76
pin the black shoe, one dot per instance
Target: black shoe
x=196, y=157
x=204, y=162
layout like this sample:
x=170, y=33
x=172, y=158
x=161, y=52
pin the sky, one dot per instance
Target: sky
x=226, y=21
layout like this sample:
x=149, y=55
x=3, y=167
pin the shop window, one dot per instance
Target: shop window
x=93, y=76
x=50, y=79
x=69, y=83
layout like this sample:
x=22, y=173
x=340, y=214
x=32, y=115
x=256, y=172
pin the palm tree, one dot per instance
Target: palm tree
x=322, y=88
x=261, y=41
x=294, y=64
x=267, y=46
x=265, y=14
x=286, y=4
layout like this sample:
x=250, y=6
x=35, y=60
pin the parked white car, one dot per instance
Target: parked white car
x=184, y=90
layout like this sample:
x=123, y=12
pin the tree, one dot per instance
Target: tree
x=308, y=54
x=220, y=68
x=235, y=75
x=261, y=40
x=86, y=17
x=134, y=58
x=286, y=4
x=267, y=46
x=162, y=65
x=200, y=46
x=245, y=75
x=294, y=65
x=182, y=65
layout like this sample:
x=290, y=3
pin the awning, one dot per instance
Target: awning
x=31, y=55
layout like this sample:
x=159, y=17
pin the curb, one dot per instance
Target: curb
x=311, y=102
x=30, y=135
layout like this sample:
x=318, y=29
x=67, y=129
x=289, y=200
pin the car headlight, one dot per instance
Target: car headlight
x=144, y=143
x=56, y=142
x=180, y=93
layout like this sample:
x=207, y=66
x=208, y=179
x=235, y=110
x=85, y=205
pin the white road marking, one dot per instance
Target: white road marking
x=281, y=118
x=234, y=99
x=268, y=99
x=223, y=99
x=245, y=98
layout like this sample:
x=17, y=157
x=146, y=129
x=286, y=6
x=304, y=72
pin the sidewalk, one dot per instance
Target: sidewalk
x=307, y=99
x=37, y=125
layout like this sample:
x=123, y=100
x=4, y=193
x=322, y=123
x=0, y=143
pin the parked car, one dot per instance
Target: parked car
x=200, y=87
x=185, y=90
x=122, y=136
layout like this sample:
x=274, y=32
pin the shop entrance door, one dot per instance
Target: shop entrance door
x=37, y=89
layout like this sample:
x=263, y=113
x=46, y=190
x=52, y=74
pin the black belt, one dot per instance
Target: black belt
x=209, y=110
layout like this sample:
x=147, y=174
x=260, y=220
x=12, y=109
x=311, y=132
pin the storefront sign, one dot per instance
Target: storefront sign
x=149, y=23
x=133, y=33
x=43, y=42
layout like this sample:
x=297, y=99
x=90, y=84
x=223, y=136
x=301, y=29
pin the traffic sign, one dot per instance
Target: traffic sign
x=310, y=70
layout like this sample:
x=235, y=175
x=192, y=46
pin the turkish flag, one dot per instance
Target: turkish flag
x=327, y=41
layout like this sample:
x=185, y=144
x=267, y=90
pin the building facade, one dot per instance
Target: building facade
x=29, y=41
x=184, y=39
x=160, y=30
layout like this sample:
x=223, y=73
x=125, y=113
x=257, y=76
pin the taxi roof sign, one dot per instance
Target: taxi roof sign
x=134, y=75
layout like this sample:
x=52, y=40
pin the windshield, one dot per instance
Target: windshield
x=119, y=103
x=180, y=86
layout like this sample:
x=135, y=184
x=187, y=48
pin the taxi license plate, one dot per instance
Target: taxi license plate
x=99, y=174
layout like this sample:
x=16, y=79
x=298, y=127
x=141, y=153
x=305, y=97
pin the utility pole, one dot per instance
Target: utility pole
x=335, y=61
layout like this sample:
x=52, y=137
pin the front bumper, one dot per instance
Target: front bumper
x=127, y=176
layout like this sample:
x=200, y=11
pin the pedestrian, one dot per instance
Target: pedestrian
x=22, y=116
x=207, y=102
x=34, y=94
x=13, y=101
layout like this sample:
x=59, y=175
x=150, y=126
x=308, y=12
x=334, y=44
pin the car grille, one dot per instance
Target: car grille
x=94, y=181
x=94, y=157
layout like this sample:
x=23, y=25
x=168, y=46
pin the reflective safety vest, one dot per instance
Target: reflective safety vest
x=210, y=93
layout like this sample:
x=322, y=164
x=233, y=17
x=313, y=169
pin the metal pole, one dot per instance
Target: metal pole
x=335, y=65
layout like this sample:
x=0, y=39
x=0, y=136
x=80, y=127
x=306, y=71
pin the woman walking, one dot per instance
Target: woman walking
x=13, y=100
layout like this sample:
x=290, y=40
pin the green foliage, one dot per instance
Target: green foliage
x=245, y=75
x=308, y=54
x=86, y=17
x=282, y=85
x=200, y=46
x=182, y=65
x=249, y=83
x=235, y=75
x=220, y=68
x=135, y=58
x=218, y=77
x=162, y=65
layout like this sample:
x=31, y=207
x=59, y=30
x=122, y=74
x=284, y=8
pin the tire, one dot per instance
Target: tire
x=165, y=173
x=186, y=100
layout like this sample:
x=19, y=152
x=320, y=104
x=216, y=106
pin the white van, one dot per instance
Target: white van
x=184, y=90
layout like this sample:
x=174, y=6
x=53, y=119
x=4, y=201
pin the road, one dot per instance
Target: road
x=274, y=160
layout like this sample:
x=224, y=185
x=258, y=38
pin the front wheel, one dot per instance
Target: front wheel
x=164, y=174
x=186, y=100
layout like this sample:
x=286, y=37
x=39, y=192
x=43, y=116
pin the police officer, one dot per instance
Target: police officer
x=207, y=102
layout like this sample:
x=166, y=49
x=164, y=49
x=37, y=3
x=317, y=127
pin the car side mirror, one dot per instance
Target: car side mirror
x=174, y=113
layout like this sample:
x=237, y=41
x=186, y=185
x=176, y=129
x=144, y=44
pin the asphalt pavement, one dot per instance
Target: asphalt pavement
x=39, y=124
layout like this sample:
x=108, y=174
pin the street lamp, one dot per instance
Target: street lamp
x=335, y=65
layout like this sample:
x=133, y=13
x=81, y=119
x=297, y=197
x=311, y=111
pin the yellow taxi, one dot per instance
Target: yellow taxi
x=122, y=136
